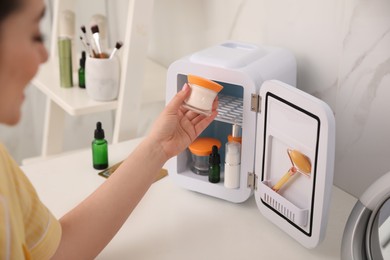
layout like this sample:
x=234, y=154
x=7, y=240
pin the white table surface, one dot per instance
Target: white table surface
x=173, y=223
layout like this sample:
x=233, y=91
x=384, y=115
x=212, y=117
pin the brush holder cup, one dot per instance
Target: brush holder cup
x=102, y=78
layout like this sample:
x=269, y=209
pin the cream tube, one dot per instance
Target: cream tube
x=232, y=165
x=65, y=61
x=66, y=29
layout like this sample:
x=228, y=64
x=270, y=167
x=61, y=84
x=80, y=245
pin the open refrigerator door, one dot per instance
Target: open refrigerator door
x=294, y=161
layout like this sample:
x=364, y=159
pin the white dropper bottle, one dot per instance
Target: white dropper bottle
x=233, y=159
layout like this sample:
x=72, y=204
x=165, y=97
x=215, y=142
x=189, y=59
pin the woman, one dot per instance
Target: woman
x=27, y=228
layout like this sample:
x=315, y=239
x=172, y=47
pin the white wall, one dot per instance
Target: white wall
x=343, y=53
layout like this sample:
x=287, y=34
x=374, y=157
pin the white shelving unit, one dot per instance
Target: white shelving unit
x=75, y=101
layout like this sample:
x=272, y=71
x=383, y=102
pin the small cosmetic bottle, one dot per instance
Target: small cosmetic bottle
x=214, y=165
x=65, y=59
x=66, y=49
x=233, y=159
x=82, y=70
x=99, y=149
x=236, y=135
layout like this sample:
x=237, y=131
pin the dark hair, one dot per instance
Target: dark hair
x=7, y=7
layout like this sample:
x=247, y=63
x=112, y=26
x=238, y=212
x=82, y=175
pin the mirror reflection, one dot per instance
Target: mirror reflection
x=379, y=233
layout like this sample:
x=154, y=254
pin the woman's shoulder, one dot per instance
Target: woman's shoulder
x=5, y=157
x=13, y=182
x=9, y=169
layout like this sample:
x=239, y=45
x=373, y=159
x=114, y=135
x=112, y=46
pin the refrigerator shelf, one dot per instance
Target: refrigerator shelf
x=230, y=109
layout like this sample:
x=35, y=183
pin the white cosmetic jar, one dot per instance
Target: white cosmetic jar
x=203, y=93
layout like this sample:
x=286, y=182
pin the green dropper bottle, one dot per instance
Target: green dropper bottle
x=99, y=149
x=214, y=165
x=81, y=71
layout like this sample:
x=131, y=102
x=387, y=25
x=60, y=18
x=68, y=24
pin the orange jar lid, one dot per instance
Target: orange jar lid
x=192, y=79
x=202, y=146
x=234, y=139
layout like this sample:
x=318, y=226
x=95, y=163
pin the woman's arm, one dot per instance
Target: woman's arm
x=88, y=228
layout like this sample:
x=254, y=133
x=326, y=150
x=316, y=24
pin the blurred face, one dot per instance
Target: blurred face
x=21, y=53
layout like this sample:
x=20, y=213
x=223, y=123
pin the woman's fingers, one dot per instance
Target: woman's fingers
x=191, y=115
x=204, y=122
x=194, y=116
x=175, y=104
x=215, y=103
x=198, y=121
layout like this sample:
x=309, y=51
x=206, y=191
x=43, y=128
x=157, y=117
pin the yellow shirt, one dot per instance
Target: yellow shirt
x=27, y=228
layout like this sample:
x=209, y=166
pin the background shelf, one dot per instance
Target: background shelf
x=136, y=70
x=73, y=101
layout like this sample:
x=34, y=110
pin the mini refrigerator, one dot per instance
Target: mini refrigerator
x=282, y=128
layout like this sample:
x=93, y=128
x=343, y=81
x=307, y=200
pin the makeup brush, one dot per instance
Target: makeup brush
x=87, y=43
x=118, y=45
x=83, y=30
x=96, y=37
x=85, y=35
x=88, y=48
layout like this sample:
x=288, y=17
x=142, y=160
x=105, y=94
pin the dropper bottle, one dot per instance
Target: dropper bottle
x=214, y=165
x=81, y=71
x=99, y=149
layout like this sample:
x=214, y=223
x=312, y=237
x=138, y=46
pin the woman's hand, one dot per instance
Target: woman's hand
x=177, y=127
x=113, y=202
